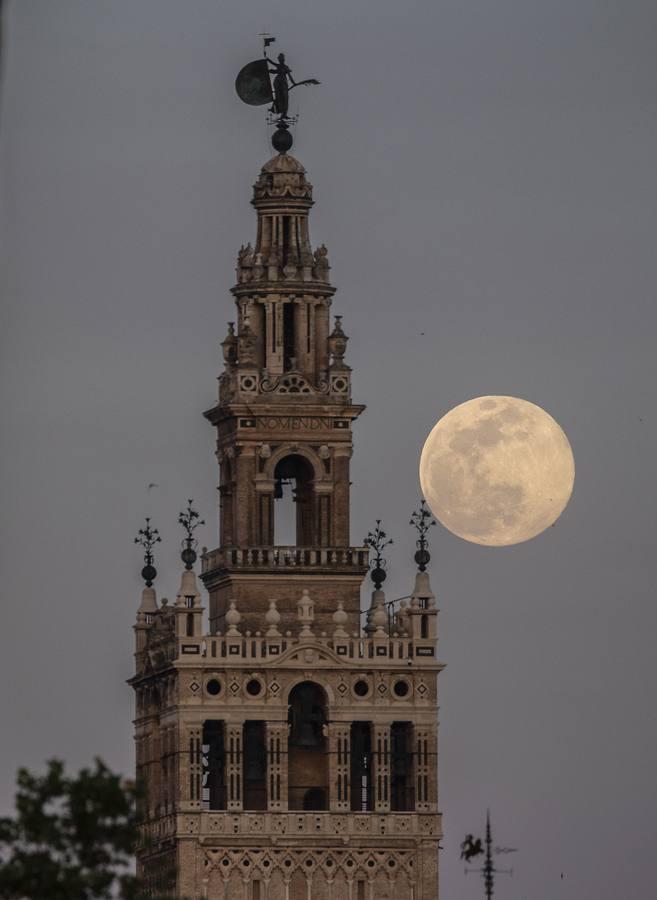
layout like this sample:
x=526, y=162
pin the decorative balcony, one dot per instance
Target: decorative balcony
x=290, y=828
x=312, y=559
x=285, y=825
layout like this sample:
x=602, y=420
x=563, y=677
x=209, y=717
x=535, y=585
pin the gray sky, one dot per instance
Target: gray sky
x=484, y=174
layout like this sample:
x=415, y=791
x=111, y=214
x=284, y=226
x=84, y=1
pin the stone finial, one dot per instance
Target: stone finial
x=379, y=615
x=337, y=344
x=233, y=618
x=188, y=589
x=422, y=594
x=148, y=601
x=306, y=614
x=340, y=618
x=378, y=601
x=272, y=618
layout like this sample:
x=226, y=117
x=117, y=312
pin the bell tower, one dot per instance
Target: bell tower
x=284, y=422
x=286, y=750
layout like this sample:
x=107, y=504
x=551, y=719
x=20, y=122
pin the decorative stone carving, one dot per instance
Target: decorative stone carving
x=337, y=344
x=306, y=614
x=321, y=264
x=379, y=617
x=272, y=618
x=233, y=618
x=290, y=272
x=229, y=346
x=258, y=267
x=340, y=618
x=247, y=345
x=244, y=263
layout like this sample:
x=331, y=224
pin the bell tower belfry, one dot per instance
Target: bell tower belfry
x=286, y=750
x=284, y=418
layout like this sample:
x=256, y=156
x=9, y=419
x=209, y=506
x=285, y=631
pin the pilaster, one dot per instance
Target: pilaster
x=381, y=759
x=277, y=765
x=234, y=766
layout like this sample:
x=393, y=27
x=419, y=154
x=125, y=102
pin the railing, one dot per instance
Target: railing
x=285, y=558
x=289, y=823
x=248, y=647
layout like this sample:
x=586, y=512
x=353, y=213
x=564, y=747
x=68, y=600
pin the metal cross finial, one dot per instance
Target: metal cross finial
x=148, y=537
x=190, y=521
x=377, y=540
x=422, y=521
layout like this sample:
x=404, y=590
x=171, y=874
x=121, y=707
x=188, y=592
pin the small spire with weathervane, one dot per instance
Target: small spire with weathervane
x=421, y=614
x=377, y=615
x=188, y=597
x=148, y=537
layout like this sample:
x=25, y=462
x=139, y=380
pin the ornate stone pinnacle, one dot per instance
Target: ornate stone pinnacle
x=422, y=521
x=377, y=540
x=273, y=619
x=233, y=618
x=148, y=537
x=190, y=521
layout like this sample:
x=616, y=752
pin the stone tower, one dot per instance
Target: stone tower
x=286, y=753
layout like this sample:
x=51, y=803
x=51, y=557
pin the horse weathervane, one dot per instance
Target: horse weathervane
x=256, y=86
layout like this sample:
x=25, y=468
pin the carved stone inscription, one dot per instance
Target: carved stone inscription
x=293, y=423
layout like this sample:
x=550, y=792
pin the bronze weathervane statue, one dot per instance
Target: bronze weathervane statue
x=255, y=86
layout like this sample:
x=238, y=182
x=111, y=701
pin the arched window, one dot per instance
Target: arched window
x=307, y=748
x=294, y=502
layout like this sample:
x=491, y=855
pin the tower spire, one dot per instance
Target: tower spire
x=285, y=723
x=283, y=419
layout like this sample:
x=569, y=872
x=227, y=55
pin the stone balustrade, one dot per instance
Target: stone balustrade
x=233, y=649
x=284, y=825
x=313, y=558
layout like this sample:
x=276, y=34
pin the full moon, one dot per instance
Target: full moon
x=497, y=470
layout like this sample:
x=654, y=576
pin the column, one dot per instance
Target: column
x=276, y=765
x=234, y=766
x=339, y=766
x=424, y=761
x=191, y=768
x=340, y=511
x=321, y=333
x=381, y=741
x=432, y=785
x=265, y=535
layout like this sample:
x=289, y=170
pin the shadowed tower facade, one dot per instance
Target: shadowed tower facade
x=286, y=751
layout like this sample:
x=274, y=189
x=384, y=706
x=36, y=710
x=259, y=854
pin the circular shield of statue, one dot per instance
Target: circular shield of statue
x=253, y=84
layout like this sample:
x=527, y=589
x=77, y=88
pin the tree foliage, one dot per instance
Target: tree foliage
x=72, y=837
